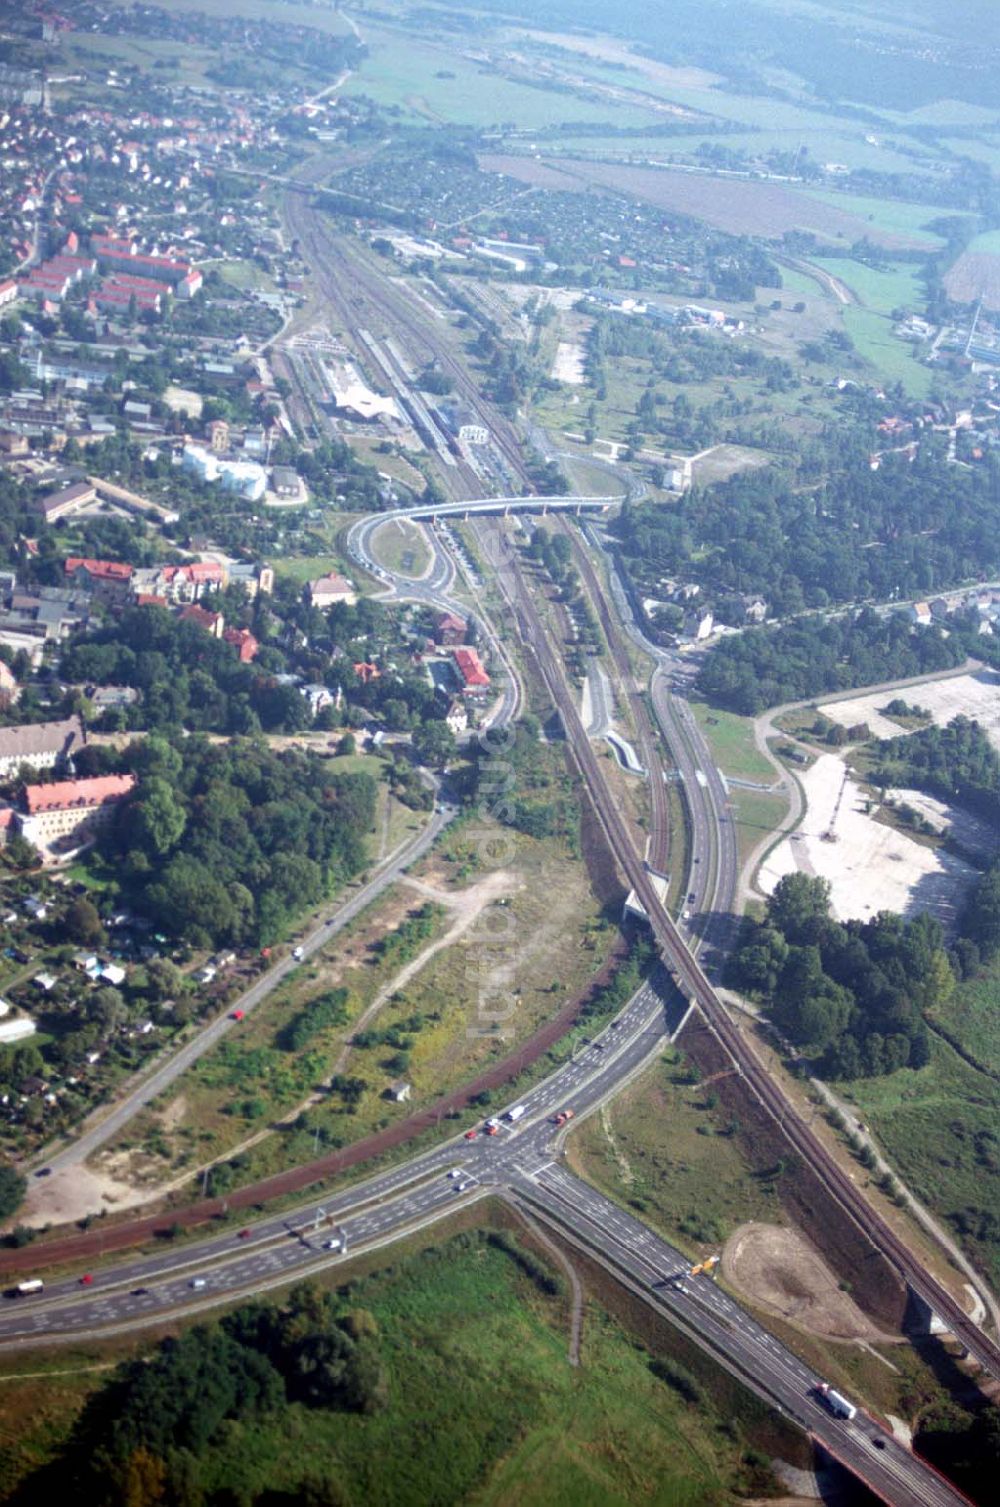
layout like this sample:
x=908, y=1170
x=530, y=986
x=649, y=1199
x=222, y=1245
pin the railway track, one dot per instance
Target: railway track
x=363, y=300
x=658, y=855
x=690, y=977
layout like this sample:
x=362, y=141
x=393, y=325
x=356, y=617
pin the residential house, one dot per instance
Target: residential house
x=109, y=579
x=331, y=589
x=450, y=629
x=10, y=690
x=457, y=718
x=475, y=680
x=243, y=641
x=698, y=625
x=212, y=622
x=920, y=614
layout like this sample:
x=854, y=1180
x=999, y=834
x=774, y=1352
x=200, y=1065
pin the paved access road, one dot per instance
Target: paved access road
x=523, y=1163
x=112, y=1122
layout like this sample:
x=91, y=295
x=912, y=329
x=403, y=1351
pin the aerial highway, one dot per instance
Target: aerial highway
x=522, y=1162
x=521, y=1159
x=695, y=984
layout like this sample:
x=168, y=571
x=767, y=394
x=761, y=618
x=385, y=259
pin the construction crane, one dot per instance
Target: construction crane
x=830, y=835
x=704, y=1267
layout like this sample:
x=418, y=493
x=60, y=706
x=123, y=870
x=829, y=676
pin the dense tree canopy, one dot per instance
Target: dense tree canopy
x=901, y=531
x=228, y=843
x=764, y=667
x=850, y=995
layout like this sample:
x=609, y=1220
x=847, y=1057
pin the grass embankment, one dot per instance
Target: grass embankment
x=665, y=1148
x=401, y=546
x=940, y=1126
x=481, y=1403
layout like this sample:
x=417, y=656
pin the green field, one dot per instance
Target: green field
x=480, y=1405
x=940, y=1127
x=402, y=547
x=886, y=214
x=892, y=358
x=439, y=85
x=663, y=1148
x=989, y=242
x=898, y=286
x=732, y=743
x=303, y=568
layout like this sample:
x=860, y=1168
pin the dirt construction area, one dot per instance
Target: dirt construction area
x=976, y=695
x=778, y=1269
x=870, y=866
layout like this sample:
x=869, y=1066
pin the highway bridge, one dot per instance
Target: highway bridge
x=523, y=1163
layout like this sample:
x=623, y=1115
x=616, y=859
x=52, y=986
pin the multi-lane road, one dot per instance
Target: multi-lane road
x=523, y=1161
x=106, y=1125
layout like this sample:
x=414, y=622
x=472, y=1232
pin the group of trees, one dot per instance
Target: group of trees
x=521, y=782
x=145, y=1435
x=228, y=843
x=187, y=678
x=956, y=763
x=851, y=995
x=809, y=656
x=903, y=530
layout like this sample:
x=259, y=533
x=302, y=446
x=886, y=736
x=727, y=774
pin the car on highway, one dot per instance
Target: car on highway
x=298, y=954
x=244, y=1235
x=563, y=1116
x=86, y=1280
x=44, y=1172
x=139, y=1292
x=197, y=1282
x=491, y=1127
x=470, y=1135
x=333, y=1244
x=455, y=1172
x=879, y=1443
x=238, y=1015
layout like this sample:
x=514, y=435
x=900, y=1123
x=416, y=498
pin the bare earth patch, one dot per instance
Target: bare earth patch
x=975, y=695
x=870, y=866
x=779, y=1269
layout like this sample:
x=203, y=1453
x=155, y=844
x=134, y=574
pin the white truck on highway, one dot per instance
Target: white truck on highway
x=33, y=1284
x=513, y=1115
x=838, y=1405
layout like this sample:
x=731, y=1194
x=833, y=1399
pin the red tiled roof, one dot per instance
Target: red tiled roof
x=470, y=667
x=64, y=794
x=104, y=570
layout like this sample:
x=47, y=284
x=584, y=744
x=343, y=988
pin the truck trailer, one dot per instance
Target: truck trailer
x=838, y=1405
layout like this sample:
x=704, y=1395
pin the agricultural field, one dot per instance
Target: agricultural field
x=976, y=274
x=437, y=84
x=878, y=289
x=894, y=216
x=734, y=205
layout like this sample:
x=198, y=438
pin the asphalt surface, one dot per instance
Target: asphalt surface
x=148, y=1089
x=523, y=1160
